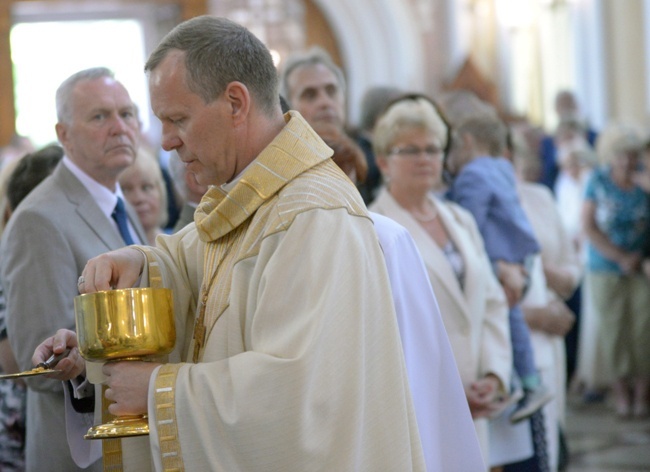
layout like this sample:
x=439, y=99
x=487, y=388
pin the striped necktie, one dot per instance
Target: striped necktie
x=119, y=215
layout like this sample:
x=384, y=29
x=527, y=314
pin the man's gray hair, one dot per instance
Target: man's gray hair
x=219, y=51
x=64, y=92
x=315, y=55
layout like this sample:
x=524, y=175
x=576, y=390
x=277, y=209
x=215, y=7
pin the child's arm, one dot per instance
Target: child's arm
x=472, y=192
x=513, y=280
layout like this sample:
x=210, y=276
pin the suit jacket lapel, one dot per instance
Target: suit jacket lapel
x=87, y=208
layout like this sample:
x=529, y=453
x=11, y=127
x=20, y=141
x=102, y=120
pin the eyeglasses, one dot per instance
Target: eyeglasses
x=420, y=96
x=412, y=152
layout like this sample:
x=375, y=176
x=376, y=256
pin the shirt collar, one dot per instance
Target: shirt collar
x=102, y=195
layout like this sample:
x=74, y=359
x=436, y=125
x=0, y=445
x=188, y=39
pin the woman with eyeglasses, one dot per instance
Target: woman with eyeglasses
x=409, y=142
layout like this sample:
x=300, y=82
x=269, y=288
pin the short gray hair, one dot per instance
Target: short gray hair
x=219, y=51
x=315, y=55
x=64, y=92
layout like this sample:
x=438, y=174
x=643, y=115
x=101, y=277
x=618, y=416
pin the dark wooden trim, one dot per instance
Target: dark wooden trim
x=7, y=110
x=189, y=9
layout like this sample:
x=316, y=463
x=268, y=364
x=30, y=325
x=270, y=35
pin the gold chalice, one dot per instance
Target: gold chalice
x=119, y=325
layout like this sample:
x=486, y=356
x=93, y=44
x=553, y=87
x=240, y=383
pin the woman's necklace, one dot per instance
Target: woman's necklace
x=426, y=218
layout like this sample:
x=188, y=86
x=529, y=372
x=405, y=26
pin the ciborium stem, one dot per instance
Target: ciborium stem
x=119, y=325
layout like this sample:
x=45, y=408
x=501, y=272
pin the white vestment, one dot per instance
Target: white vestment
x=446, y=429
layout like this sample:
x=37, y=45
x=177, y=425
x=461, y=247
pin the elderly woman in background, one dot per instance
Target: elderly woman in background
x=144, y=187
x=409, y=141
x=615, y=218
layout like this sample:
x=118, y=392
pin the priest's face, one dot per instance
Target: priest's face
x=201, y=133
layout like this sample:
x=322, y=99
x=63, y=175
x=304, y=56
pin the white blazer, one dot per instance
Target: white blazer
x=476, y=318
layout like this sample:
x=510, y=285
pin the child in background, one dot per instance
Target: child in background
x=484, y=184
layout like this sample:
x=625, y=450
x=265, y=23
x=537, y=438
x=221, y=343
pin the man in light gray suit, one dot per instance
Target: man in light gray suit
x=71, y=217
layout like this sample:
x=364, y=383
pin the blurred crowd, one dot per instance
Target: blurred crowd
x=536, y=244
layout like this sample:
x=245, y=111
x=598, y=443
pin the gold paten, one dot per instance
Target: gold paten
x=125, y=324
x=29, y=373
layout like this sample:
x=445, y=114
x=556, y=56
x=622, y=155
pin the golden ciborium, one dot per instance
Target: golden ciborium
x=119, y=325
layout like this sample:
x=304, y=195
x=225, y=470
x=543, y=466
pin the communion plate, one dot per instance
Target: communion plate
x=29, y=373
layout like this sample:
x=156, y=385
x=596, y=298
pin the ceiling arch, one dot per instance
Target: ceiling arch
x=379, y=42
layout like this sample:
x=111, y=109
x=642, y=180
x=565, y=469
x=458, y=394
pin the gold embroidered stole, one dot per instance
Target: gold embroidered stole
x=222, y=219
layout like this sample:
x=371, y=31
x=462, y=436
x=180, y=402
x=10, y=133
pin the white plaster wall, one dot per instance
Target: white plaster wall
x=379, y=42
x=590, y=69
x=646, y=54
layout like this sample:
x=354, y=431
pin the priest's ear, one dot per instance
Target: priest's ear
x=239, y=101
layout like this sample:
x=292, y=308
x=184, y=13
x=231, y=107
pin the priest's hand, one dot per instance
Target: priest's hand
x=70, y=366
x=115, y=269
x=128, y=386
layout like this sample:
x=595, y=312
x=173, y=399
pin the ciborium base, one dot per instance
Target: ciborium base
x=121, y=427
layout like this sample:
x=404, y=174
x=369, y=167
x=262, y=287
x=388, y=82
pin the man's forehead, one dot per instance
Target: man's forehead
x=100, y=87
x=312, y=76
x=171, y=68
x=101, y=95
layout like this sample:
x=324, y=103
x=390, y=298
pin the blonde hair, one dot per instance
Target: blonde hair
x=405, y=115
x=147, y=162
x=615, y=138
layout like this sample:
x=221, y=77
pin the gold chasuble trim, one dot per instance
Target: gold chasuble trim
x=155, y=274
x=167, y=427
x=111, y=448
x=294, y=150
